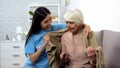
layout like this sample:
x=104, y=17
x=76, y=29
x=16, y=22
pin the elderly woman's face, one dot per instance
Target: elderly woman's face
x=72, y=26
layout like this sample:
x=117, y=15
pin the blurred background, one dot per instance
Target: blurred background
x=99, y=14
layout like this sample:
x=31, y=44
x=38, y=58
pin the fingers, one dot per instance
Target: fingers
x=90, y=51
x=66, y=58
x=62, y=54
x=87, y=28
x=46, y=38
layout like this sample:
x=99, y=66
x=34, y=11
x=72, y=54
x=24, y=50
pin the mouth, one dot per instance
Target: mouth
x=48, y=27
x=71, y=29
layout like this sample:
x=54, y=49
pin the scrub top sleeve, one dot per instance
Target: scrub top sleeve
x=30, y=46
x=58, y=26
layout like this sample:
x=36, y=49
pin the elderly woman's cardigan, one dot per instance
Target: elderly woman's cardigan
x=53, y=48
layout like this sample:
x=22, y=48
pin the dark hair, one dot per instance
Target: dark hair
x=39, y=15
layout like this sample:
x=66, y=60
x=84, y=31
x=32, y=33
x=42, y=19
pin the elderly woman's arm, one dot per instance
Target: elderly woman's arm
x=63, y=48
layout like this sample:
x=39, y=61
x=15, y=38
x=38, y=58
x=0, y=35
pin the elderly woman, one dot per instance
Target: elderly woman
x=76, y=43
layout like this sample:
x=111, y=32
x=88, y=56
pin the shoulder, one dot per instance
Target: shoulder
x=37, y=36
x=58, y=25
x=90, y=34
x=66, y=35
x=31, y=38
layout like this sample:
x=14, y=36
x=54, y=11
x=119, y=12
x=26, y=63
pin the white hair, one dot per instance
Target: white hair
x=74, y=15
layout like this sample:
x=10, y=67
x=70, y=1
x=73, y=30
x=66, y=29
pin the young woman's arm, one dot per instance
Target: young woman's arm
x=34, y=57
x=87, y=29
x=57, y=26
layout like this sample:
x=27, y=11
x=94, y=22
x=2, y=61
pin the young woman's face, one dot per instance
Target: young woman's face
x=45, y=24
x=72, y=26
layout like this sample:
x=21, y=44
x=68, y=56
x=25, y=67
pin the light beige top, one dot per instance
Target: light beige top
x=73, y=45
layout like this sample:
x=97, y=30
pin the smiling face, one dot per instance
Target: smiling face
x=72, y=26
x=45, y=24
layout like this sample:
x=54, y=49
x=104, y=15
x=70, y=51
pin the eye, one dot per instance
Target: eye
x=66, y=22
x=70, y=22
x=46, y=21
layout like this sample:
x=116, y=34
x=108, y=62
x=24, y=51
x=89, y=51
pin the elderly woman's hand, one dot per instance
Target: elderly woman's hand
x=91, y=54
x=90, y=51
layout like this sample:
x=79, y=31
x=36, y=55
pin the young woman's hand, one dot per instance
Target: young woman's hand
x=46, y=38
x=87, y=29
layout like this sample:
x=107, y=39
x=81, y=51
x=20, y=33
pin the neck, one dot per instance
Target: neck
x=77, y=31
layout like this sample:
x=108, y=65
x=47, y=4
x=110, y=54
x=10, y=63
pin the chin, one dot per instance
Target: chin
x=47, y=27
x=71, y=31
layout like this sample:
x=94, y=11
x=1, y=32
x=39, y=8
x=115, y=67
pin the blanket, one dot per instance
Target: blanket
x=53, y=48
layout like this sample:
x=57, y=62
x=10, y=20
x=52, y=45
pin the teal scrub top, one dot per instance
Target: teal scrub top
x=36, y=41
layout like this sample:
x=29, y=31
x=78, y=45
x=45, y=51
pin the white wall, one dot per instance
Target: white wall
x=99, y=14
x=15, y=13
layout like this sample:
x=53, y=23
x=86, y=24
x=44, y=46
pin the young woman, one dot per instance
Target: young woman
x=37, y=39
